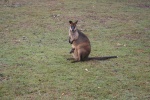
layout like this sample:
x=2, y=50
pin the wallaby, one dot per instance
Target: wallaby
x=81, y=47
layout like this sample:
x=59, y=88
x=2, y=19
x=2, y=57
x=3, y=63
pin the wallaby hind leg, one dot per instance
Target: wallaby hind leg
x=83, y=54
x=75, y=54
x=80, y=55
x=83, y=57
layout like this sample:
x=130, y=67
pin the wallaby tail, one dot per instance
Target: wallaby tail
x=102, y=58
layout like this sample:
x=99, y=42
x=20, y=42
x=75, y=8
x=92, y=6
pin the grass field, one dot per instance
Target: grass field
x=34, y=49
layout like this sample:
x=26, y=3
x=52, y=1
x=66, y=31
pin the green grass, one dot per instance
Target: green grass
x=34, y=48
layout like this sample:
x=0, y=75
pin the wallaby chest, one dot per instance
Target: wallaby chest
x=82, y=39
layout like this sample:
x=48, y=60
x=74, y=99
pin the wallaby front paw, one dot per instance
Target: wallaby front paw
x=72, y=50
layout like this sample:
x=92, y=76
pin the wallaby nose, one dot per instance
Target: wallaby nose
x=73, y=28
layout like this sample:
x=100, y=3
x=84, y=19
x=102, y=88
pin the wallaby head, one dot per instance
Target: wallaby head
x=73, y=26
x=73, y=34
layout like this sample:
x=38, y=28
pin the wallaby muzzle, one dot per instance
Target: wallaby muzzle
x=73, y=29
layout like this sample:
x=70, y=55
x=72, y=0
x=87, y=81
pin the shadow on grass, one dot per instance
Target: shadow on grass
x=94, y=58
x=102, y=58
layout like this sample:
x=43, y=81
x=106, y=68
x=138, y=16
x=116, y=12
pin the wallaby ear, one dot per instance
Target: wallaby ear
x=76, y=22
x=70, y=22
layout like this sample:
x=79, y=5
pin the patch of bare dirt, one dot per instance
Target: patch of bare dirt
x=14, y=3
x=132, y=36
x=129, y=36
x=144, y=6
x=16, y=41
